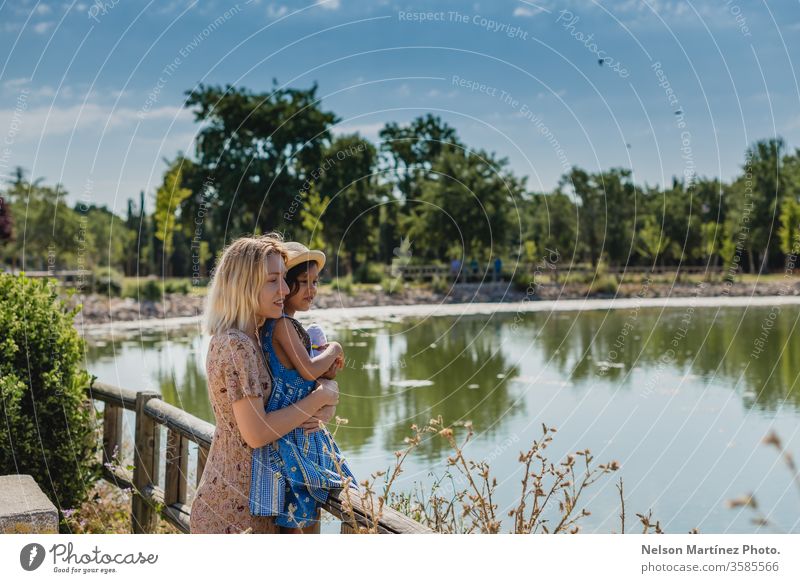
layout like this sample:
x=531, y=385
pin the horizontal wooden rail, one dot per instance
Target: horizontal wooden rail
x=421, y=272
x=353, y=508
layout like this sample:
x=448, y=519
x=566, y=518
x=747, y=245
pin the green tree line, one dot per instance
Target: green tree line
x=270, y=161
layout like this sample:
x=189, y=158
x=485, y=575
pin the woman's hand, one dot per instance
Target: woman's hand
x=337, y=348
x=329, y=389
x=337, y=365
x=323, y=416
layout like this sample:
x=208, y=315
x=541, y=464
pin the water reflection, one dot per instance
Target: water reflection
x=710, y=345
x=408, y=373
x=403, y=373
x=659, y=390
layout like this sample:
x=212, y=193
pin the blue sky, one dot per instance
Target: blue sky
x=91, y=93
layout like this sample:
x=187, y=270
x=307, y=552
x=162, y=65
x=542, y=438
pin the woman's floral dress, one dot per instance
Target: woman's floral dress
x=236, y=369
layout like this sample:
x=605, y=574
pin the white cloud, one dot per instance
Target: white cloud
x=545, y=94
x=35, y=122
x=42, y=27
x=527, y=11
x=14, y=83
x=276, y=10
x=42, y=8
x=331, y=5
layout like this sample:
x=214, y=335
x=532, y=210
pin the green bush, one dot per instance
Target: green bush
x=604, y=285
x=393, y=285
x=439, y=284
x=177, y=286
x=369, y=273
x=343, y=284
x=526, y=282
x=151, y=290
x=48, y=423
x=108, y=281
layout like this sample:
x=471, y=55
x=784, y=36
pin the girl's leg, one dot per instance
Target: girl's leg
x=313, y=528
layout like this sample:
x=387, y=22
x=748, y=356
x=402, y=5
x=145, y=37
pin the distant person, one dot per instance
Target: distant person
x=498, y=268
x=474, y=265
x=455, y=269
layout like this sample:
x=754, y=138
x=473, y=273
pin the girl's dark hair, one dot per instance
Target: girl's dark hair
x=294, y=273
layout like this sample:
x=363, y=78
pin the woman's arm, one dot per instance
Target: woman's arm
x=324, y=415
x=338, y=364
x=309, y=368
x=259, y=428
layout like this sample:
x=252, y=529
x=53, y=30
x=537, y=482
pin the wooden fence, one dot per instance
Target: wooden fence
x=426, y=272
x=150, y=499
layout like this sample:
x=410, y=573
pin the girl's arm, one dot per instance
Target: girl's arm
x=309, y=368
x=259, y=428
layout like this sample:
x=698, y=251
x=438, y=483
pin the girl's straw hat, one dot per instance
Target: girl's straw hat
x=298, y=253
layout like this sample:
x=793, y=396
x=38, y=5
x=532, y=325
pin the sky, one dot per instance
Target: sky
x=91, y=94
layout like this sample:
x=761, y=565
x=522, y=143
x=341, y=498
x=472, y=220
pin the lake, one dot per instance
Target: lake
x=680, y=397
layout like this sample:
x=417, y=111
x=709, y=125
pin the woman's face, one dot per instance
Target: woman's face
x=306, y=290
x=270, y=298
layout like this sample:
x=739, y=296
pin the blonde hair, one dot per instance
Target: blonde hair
x=238, y=277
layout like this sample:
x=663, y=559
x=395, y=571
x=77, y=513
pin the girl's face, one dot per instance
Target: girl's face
x=270, y=297
x=306, y=290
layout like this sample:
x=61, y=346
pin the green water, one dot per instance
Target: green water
x=678, y=396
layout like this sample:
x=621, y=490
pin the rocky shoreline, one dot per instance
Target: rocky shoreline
x=98, y=309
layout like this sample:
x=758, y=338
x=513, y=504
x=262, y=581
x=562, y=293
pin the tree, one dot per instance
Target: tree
x=652, y=242
x=552, y=223
x=464, y=202
x=756, y=196
x=6, y=222
x=112, y=239
x=711, y=234
x=256, y=150
x=169, y=197
x=789, y=233
x=411, y=150
x=52, y=235
x=349, y=180
x=607, y=201
x=311, y=218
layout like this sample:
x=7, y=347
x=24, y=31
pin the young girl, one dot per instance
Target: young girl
x=301, y=463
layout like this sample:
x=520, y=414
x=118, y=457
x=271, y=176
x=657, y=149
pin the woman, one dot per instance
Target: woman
x=247, y=288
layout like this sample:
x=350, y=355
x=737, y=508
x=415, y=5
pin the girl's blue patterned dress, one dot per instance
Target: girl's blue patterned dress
x=290, y=481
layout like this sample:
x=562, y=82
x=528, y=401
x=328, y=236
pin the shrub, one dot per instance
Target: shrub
x=108, y=281
x=369, y=273
x=524, y=281
x=48, y=421
x=439, y=285
x=393, y=285
x=180, y=286
x=151, y=290
x=343, y=284
x=604, y=284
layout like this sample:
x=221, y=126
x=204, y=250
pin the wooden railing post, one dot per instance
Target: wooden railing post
x=176, y=464
x=112, y=431
x=146, y=448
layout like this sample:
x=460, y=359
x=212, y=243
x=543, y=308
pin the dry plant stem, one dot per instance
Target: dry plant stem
x=367, y=496
x=773, y=439
x=749, y=500
x=622, y=506
x=476, y=495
